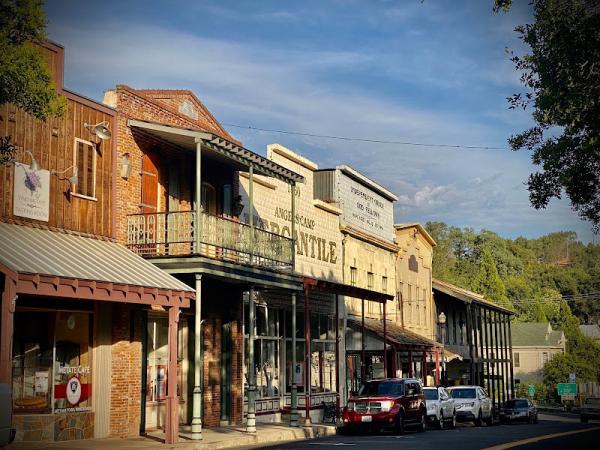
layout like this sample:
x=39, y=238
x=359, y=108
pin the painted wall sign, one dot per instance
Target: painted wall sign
x=365, y=209
x=31, y=196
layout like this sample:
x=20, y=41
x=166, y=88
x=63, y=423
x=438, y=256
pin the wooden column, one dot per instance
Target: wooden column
x=172, y=419
x=498, y=368
x=510, y=353
x=9, y=298
x=294, y=389
x=437, y=367
x=410, y=364
x=362, y=342
x=307, y=357
x=470, y=342
x=490, y=348
x=424, y=367
x=337, y=352
x=385, y=372
x=198, y=198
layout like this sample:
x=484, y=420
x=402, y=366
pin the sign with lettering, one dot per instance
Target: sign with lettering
x=365, y=209
x=317, y=234
x=31, y=193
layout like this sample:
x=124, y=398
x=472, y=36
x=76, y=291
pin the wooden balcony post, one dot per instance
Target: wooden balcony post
x=294, y=394
x=198, y=196
x=197, y=392
x=251, y=210
x=172, y=419
x=293, y=189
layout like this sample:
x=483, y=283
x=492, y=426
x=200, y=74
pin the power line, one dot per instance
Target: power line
x=372, y=141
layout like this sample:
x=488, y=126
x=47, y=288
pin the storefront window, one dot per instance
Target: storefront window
x=266, y=364
x=323, y=367
x=52, y=366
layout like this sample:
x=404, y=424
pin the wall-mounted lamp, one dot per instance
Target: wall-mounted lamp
x=73, y=179
x=125, y=166
x=34, y=164
x=100, y=129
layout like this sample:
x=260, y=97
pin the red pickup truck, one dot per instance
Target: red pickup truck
x=391, y=403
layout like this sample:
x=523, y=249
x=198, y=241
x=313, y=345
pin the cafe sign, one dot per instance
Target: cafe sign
x=31, y=198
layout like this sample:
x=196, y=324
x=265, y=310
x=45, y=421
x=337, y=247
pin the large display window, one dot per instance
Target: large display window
x=51, y=366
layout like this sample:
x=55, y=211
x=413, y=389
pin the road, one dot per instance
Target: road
x=466, y=437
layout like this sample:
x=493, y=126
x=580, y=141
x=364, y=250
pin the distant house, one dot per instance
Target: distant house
x=534, y=344
x=592, y=331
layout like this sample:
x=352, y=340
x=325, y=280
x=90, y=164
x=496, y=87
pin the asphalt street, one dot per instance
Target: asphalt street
x=467, y=437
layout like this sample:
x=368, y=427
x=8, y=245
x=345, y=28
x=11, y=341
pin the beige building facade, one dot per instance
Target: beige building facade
x=533, y=345
x=415, y=309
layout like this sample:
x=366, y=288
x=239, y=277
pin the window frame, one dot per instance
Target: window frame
x=74, y=187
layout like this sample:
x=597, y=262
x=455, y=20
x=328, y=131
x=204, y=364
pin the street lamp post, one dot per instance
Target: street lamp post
x=442, y=324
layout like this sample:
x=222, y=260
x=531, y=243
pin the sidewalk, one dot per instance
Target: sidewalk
x=213, y=439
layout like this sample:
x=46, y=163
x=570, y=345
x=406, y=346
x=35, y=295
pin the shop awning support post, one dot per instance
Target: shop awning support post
x=294, y=389
x=9, y=298
x=197, y=392
x=385, y=372
x=363, y=372
x=337, y=353
x=251, y=420
x=307, y=357
x=172, y=419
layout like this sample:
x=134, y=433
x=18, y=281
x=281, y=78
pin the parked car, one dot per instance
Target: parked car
x=590, y=409
x=391, y=403
x=519, y=409
x=7, y=432
x=440, y=407
x=472, y=404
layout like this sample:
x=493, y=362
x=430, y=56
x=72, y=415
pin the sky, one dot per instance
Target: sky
x=424, y=71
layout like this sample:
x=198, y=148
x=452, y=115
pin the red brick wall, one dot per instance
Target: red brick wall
x=126, y=357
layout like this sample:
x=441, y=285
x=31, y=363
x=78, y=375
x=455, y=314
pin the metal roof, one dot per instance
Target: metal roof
x=465, y=295
x=187, y=137
x=536, y=334
x=24, y=249
x=394, y=333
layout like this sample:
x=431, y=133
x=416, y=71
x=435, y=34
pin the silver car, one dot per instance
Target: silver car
x=440, y=407
x=472, y=404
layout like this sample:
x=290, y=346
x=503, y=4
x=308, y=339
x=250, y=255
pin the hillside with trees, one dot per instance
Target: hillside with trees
x=554, y=278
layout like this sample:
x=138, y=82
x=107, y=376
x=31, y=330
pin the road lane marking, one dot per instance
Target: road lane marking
x=535, y=439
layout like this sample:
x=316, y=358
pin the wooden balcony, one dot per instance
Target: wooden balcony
x=173, y=234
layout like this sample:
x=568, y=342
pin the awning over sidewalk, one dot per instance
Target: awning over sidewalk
x=347, y=290
x=53, y=263
x=395, y=335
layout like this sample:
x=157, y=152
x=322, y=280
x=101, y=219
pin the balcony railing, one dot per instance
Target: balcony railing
x=173, y=234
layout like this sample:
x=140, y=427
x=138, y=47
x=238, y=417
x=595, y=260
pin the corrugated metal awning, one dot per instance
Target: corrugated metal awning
x=28, y=250
x=394, y=334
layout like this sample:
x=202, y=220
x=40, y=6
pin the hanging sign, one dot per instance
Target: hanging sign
x=31, y=193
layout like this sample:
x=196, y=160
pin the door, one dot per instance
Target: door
x=226, y=373
x=151, y=232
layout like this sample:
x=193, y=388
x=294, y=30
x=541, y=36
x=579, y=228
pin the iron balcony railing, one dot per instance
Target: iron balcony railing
x=173, y=234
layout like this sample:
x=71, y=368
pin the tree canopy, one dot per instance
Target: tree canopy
x=25, y=79
x=561, y=76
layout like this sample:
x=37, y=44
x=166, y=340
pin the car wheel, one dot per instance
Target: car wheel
x=453, y=423
x=490, y=420
x=479, y=419
x=400, y=423
x=423, y=425
x=584, y=419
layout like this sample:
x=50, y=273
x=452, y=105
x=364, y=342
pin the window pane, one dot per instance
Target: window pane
x=33, y=342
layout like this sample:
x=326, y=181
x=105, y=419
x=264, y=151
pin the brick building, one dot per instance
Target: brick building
x=69, y=348
x=179, y=207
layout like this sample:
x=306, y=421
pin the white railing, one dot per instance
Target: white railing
x=173, y=234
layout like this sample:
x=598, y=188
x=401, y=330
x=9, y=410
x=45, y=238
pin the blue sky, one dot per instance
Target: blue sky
x=431, y=71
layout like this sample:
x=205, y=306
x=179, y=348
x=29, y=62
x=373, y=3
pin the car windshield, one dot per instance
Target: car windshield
x=593, y=401
x=463, y=393
x=516, y=404
x=381, y=388
x=431, y=394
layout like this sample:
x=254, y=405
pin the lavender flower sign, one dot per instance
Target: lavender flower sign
x=31, y=193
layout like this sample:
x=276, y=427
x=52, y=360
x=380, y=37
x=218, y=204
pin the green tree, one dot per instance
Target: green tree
x=488, y=282
x=25, y=79
x=561, y=76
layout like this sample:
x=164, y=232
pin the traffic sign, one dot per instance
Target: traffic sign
x=572, y=378
x=567, y=389
x=531, y=390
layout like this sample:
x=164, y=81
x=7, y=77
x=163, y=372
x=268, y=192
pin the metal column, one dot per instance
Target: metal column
x=337, y=353
x=251, y=420
x=470, y=341
x=363, y=373
x=385, y=372
x=510, y=352
x=197, y=392
x=294, y=389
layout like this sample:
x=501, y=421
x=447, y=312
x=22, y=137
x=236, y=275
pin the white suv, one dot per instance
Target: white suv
x=472, y=405
x=440, y=407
